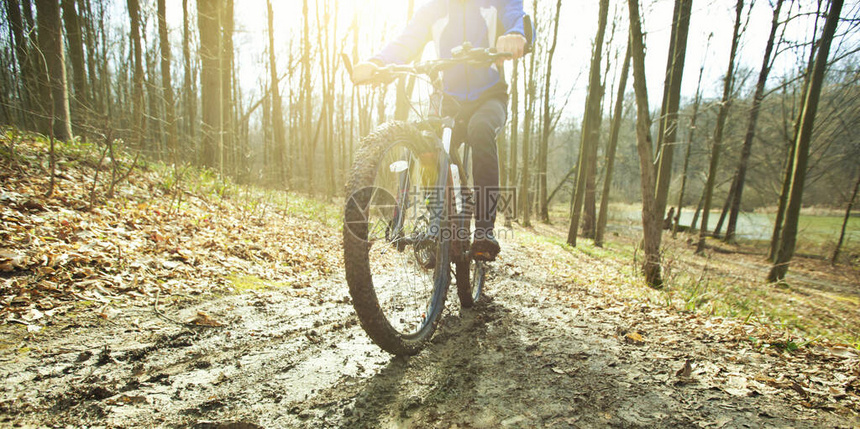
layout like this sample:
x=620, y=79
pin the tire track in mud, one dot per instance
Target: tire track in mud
x=256, y=370
x=540, y=351
x=532, y=357
x=275, y=349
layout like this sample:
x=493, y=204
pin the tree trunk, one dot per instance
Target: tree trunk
x=544, y=143
x=138, y=114
x=788, y=239
x=590, y=126
x=687, y=155
x=781, y=205
x=617, y=116
x=76, y=56
x=153, y=116
x=22, y=54
x=328, y=92
x=515, y=127
x=668, y=130
x=529, y=84
x=279, y=161
x=166, y=84
x=787, y=173
x=835, y=258
x=107, y=106
x=722, y=114
x=651, y=222
x=404, y=84
x=307, y=111
x=90, y=41
x=190, y=99
x=696, y=214
x=53, y=68
x=208, y=21
x=723, y=214
x=589, y=216
x=227, y=144
x=558, y=187
x=740, y=176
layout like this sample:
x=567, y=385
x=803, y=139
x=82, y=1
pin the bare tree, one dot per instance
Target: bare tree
x=75, y=40
x=668, y=130
x=835, y=257
x=788, y=239
x=24, y=58
x=138, y=114
x=547, y=120
x=786, y=176
x=740, y=175
x=690, y=135
x=512, y=141
x=306, y=144
x=279, y=161
x=530, y=86
x=405, y=85
x=617, y=117
x=722, y=114
x=190, y=98
x=208, y=21
x=650, y=217
x=166, y=83
x=590, y=126
x=95, y=94
x=53, y=68
x=227, y=144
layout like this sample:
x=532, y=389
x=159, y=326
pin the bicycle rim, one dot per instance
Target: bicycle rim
x=408, y=262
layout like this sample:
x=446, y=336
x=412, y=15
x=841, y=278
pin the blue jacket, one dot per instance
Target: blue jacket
x=449, y=23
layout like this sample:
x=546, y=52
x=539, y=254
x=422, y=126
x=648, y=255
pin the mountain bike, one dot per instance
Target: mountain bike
x=408, y=217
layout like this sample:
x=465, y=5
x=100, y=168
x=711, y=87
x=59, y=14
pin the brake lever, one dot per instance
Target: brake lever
x=462, y=51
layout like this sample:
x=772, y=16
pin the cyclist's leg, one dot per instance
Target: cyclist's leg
x=484, y=125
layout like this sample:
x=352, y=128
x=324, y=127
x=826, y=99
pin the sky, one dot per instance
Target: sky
x=382, y=19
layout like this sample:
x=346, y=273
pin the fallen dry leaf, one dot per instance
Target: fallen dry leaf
x=203, y=319
x=686, y=371
x=799, y=389
x=634, y=338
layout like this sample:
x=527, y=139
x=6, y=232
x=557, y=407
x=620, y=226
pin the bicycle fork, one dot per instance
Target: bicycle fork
x=449, y=176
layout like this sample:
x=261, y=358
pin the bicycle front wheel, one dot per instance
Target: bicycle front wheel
x=395, y=253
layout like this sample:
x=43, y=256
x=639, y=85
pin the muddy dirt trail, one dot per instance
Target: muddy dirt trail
x=541, y=351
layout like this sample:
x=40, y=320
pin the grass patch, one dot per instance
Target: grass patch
x=721, y=284
x=243, y=284
x=253, y=201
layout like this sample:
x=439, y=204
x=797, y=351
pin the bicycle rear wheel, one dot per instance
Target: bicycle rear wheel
x=396, y=257
x=469, y=273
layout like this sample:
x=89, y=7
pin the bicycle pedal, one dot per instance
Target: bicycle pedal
x=483, y=256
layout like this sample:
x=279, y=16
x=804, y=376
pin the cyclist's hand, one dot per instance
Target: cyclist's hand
x=363, y=72
x=513, y=43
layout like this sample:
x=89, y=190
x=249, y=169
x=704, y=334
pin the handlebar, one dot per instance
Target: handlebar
x=463, y=54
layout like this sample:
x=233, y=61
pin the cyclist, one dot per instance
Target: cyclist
x=477, y=96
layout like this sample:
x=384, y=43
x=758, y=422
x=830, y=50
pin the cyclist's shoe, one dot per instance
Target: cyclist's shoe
x=485, y=248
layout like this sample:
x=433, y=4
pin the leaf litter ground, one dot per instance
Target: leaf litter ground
x=226, y=306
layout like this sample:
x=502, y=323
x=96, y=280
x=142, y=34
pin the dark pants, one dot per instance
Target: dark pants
x=478, y=124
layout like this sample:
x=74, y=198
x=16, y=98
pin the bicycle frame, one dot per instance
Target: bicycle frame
x=449, y=165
